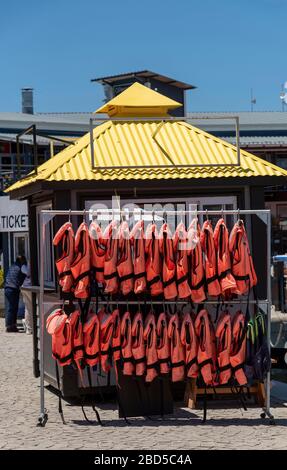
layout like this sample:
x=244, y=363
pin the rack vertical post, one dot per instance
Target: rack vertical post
x=43, y=417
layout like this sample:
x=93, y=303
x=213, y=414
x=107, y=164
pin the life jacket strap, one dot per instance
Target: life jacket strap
x=63, y=359
x=126, y=277
x=211, y=279
x=78, y=348
x=93, y=407
x=241, y=278
x=223, y=368
x=224, y=274
x=139, y=360
x=65, y=273
x=177, y=364
x=153, y=281
x=191, y=363
x=105, y=353
x=204, y=363
x=182, y=279
x=139, y=275
x=169, y=282
x=60, y=408
x=116, y=348
x=110, y=276
x=127, y=359
x=81, y=276
x=238, y=367
x=91, y=356
x=152, y=366
x=97, y=270
x=198, y=285
x=164, y=361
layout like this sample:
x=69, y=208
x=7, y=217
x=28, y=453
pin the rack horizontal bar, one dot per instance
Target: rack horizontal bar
x=163, y=302
x=137, y=210
x=160, y=119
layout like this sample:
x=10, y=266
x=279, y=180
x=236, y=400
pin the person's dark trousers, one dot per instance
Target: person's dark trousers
x=12, y=297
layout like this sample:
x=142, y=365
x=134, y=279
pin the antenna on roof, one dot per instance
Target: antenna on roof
x=283, y=95
x=252, y=99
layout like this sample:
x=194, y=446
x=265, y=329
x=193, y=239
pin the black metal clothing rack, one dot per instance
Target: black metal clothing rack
x=47, y=215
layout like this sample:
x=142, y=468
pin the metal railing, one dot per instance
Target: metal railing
x=161, y=121
x=9, y=172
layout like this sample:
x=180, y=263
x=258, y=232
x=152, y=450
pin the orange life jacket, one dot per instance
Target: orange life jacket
x=82, y=263
x=238, y=347
x=138, y=346
x=176, y=349
x=116, y=340
x=91, y=330
x=189, y=340
x=242, y=263
x=138, y=241
x=98, y=251
x=182, y=250
x=226, y=279
x=125, y=262
x=196, y=270
x=209, y=256
x=60, y=329
x=224, y=335
x=63, y=264
x=106, y=338
x=169, y=266
x=206, y=355
x=74, y=319
x=151, y=352
x=153, y=261
x=110, y=239
x=163, y=344
x=126, y=344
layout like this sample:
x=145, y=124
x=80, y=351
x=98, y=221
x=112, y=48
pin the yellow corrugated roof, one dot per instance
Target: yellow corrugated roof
x=131, y=143
x=139, y=100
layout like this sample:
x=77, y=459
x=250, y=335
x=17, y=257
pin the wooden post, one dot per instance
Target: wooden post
x=190, y=394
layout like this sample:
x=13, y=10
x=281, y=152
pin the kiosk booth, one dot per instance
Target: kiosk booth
x=140, y=155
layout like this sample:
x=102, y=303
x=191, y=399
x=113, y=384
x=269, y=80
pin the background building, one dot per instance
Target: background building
x=262, y=133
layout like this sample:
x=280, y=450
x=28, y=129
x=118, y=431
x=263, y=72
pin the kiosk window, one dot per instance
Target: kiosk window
x=49, y=271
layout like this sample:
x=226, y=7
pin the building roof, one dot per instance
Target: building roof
x=73, y=124
x=259, y=141
x=139, y=100
x=28, y=139
x=256, y=120
x=148, y=149
x=121, y=148
x=270, y=126
x=144, y=74
x=45, y=117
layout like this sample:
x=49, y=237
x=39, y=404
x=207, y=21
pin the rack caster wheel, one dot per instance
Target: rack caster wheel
x=263, y=415
x=42, y=420
x=272, y=421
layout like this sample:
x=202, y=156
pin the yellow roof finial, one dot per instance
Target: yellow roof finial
x=138, y=100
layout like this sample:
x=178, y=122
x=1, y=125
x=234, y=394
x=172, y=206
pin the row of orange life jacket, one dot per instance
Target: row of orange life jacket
x=190, y=263
x=177, y=344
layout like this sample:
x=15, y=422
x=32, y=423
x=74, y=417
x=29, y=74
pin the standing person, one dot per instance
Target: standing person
x=14, y=280
x=27, y=299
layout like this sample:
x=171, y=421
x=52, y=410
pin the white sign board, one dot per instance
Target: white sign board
x=13, y=215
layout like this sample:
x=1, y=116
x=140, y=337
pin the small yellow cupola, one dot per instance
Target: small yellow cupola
x=138, y=101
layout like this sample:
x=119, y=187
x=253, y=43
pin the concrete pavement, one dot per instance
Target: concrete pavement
x=19, y=410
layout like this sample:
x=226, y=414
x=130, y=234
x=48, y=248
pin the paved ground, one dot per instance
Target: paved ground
x=19, y=404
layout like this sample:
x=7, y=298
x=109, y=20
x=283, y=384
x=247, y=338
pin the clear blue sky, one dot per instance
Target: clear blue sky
x=224, y=47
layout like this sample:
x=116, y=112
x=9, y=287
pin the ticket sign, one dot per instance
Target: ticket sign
x=13, y=215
